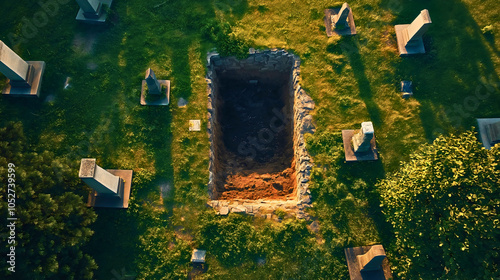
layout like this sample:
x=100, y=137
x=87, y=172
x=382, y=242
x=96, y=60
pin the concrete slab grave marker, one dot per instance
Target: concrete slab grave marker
x=339, y=21
x=194, y=125
x=360, y=145
x=93, y=11
x=409, y=36
x=111, y=187
x=367, y=263
x=198, y=263
x=489, y=131
x=154, y=92
x=24, y=77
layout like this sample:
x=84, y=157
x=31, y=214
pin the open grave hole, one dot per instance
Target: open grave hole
x=252, y=132
x=254, y=114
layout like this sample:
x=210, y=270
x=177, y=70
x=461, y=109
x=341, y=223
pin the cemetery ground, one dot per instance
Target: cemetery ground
x=351, y=79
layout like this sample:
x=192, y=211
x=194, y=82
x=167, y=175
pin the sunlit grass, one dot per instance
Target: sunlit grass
x=351, y=80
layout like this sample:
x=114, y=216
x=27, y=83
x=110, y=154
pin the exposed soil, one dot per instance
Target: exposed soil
x=277, y=185
x=254, y=113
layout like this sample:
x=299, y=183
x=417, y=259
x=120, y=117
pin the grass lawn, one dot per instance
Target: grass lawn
x=352, y=80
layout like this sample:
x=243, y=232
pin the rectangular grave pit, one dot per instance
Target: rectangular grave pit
x=252, y=127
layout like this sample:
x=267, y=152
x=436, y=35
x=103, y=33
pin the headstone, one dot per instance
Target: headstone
x=409, y=36
x=103, y=182
x=361, y=142
x=360, y=145
x=489, y=131
x=90, y=8
x=158, y=91
x=406, y=89
x=25, y=77
x=154, y=86
x=339, y=20
x=92, y=11
x=111, y=187
x=198, y=256
x=367, y=263
x=493, y=133
x=372, y=260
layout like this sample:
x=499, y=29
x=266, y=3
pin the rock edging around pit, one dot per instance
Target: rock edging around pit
x=275, y=60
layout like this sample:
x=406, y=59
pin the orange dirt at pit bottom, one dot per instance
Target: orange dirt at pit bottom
x=279, y=185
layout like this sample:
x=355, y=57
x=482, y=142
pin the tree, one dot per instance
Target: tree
x=52, y=220
x=444, y=205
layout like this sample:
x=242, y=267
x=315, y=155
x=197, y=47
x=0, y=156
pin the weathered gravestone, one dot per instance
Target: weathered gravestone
x=24, y=77
x=154, y=92
x=359, y=146
x=406, y=89
x=372, y=260
x=367, y=263
x=489, y=131
x=93, y=11
x=111, y=187
x=198, y=263
x=409, y=36
x=340, y=21
x=361, y=140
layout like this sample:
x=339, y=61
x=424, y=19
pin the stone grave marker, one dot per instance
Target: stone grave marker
x=361, y=142
x=198, y=263
x=368, y=263
x=409, y=36
x=340, y=21
x=93, y=11
x=406, y=89
x=489, y=131
x=360, y=145
x=24, y=77
x=111, y=187
x=154, y=92
x=194, y=125
x=372, y=260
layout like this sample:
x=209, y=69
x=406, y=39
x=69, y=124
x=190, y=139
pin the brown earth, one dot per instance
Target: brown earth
x=279, y=185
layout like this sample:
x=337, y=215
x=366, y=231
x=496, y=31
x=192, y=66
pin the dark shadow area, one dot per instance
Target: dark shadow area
x=115, y=235
x=350, y=47
x=244, y=113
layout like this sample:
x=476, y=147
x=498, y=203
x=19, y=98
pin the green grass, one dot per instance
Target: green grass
x=351, y=80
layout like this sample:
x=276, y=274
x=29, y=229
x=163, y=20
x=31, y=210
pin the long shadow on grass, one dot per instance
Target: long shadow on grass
x=350, y=48
x=114, y=243
x=449, y=74
x=370, y=173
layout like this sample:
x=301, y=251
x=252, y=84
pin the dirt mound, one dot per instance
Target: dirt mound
x=280, y=185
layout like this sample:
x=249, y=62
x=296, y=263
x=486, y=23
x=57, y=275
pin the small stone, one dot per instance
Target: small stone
x=194, y=125
x=314, y=226
x=239, y=209
x=181, y=103
x=224, y=210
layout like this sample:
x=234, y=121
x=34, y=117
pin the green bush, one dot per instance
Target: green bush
x=226, y=42
x=444, y=206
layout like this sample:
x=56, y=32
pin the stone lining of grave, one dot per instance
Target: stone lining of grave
x=276, y=60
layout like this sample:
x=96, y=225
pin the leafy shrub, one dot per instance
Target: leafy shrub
x=444, y=206
x=227, y=44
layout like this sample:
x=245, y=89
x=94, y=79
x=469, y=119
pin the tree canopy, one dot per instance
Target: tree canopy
x=444, y=207
x=52, y=220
